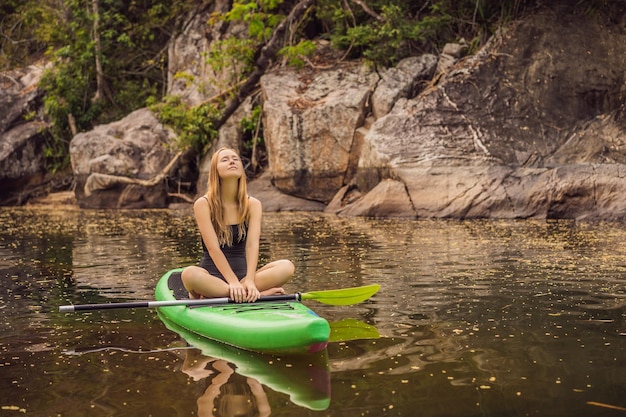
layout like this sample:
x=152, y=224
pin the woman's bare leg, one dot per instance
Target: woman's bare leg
x=201, y=284
x=271, y=277
x=269, y=280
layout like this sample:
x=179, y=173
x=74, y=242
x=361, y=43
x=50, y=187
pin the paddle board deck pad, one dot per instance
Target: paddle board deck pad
x=304, y=378
x=274, y=327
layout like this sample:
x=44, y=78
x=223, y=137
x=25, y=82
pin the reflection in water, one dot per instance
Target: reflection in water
x=304, y=378
x=501, y=318
x=228, y=394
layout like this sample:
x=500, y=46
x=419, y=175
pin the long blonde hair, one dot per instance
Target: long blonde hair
x=216, y=208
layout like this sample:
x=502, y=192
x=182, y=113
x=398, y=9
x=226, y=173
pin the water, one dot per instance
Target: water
x=475, y=318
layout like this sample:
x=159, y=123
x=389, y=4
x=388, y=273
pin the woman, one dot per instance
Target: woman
x=230, y=224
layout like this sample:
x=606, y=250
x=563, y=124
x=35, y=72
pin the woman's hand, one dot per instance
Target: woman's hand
x=252, y=292
x=237, y=292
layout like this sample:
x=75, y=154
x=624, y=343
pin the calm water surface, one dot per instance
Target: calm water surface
x=474, y=318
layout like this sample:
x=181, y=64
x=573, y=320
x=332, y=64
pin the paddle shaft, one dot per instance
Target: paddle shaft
x=339, y=297
x=169, y=303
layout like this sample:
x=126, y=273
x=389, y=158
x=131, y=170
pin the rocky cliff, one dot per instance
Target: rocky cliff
x=531, y=126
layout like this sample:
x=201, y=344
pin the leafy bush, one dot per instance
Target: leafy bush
x=192, y=124
x=297, y=54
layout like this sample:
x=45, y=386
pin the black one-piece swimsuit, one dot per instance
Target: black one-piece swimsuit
x=235, y=254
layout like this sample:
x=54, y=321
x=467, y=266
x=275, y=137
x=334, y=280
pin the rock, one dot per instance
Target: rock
x=19, y=95
x=515, y=131
x=389, y=198
x=573, y=192
x=273, y=200
x=401, y=81
x=450, y=54
x=62, y=198
x=189, y=73
x=108, y=161
x=22, y=137
x=22, y=164
x=309, y=127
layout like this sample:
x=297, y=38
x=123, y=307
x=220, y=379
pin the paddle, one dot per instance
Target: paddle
x=340, y=297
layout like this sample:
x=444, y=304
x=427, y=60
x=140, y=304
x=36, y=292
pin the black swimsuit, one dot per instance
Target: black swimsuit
x=235, y=255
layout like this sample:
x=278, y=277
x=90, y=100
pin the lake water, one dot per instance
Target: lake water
x=474, y=318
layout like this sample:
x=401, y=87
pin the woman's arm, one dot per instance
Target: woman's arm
x=252, y=249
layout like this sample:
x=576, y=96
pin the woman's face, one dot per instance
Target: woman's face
x=229, y=164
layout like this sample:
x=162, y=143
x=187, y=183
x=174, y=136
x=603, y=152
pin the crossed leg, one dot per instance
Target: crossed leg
x=269, y=280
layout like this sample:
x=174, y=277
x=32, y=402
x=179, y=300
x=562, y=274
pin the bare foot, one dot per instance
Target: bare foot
x=273, y=291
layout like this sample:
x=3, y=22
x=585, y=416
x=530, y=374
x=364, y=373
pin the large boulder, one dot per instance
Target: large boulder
x=123, y=164
x=309, y=126
x=532, y=126
x=315, y=123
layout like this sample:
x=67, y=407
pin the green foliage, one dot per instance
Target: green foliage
x=65, y=94
x=591, y=7
x=258, y=15
x=55, y=153
x=233, y=58
x=296, y=54
x=26, y=28
x=132, y=39
x=252, y=128
x=388, y=31
x=193, y=124
x=387, y=41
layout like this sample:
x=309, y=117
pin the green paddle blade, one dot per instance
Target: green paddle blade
x=343, y=296
x=351, y=329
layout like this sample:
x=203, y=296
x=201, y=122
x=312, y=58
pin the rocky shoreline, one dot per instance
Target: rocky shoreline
x=533, y=125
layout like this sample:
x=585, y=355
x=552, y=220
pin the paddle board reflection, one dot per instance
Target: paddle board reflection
x=236, y=378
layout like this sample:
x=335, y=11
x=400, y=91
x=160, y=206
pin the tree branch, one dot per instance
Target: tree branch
x=265, y=56
x=369, y=11
x=96, y=36
x=97, y=181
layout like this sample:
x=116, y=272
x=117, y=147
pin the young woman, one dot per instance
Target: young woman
x=230, y=224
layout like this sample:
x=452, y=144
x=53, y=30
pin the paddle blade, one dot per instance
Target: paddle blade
x=343, y=296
